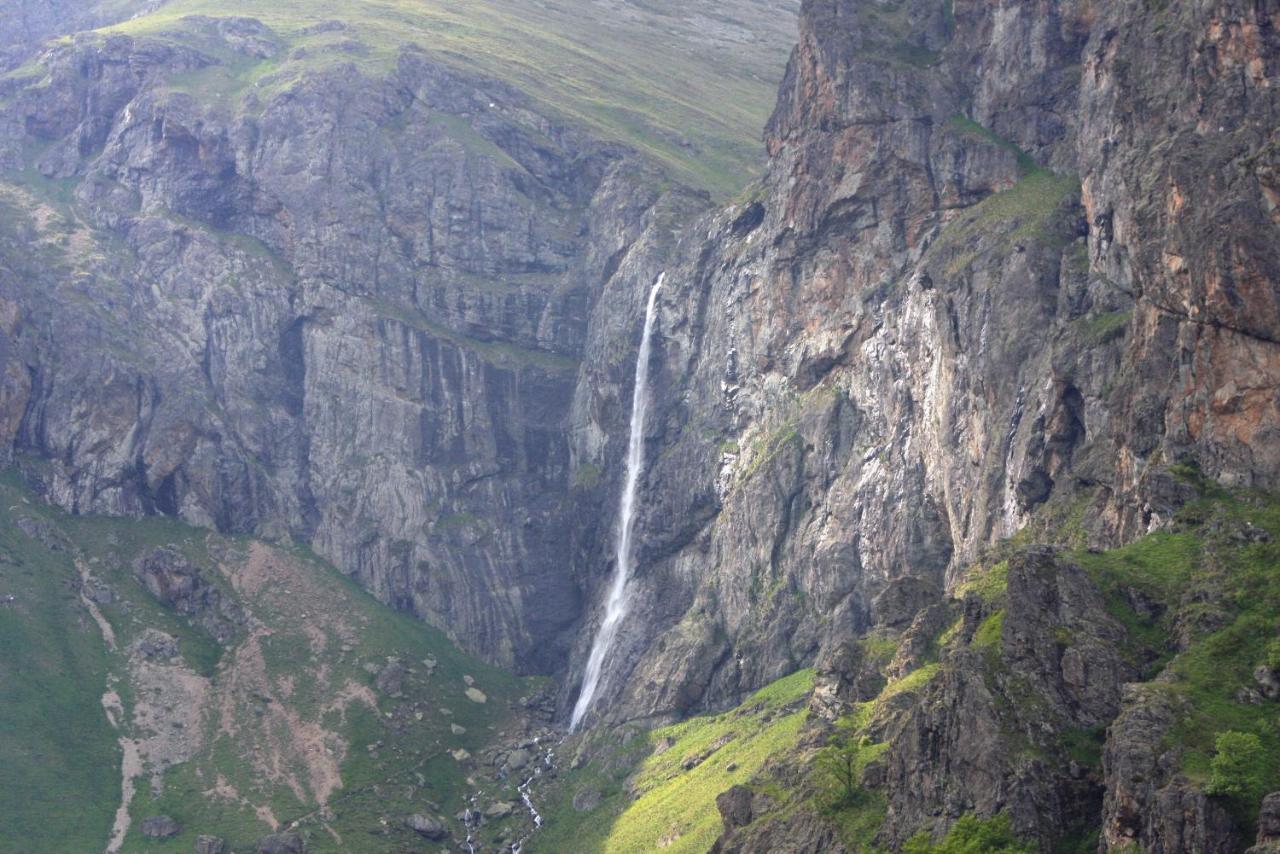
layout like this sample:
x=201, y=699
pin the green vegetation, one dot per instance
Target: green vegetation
x=1238, y=769
x=889, y=37
x=587, y=476
x=990, y=583
x=299, y=676
x=840, y=766
x=1106, y=326
x=498, y=353
x=673, y=775
x=967, y=127
x=677, y=787
x=60, y=782
x=1215, y=580
x=1025, y=211
x=971, y=835
x=696, y=111
x=987, y=635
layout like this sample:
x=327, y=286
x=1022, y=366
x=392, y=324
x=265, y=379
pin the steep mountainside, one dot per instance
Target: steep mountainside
x=328, y=276
x=162, y=683
x=1066, y=700
x=1010, y=263
x=971, y=403
x=1015, y=269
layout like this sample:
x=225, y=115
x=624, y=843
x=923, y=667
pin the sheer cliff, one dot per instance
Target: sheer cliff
x=971, y=402
x=327, y=278
x=1010, y=262
x=1011, y=276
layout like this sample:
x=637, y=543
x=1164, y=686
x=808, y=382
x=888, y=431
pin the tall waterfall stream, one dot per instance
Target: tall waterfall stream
x=616, y=604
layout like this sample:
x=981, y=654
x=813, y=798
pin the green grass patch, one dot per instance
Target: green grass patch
x=59, y=764
x=60, y=786
x=1105, y=326
x=971, y=835
x=673, y=775
x=1027, y=211
x=990, y=583
x=987, y=635
x=502, y=354
x=967, y=127
x=1215, y=573
x=696, y=112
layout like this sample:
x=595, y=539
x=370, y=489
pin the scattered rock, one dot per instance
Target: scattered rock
x=499, y=809
x=427, y=827
x=460, y=755
x=160, y=827
x=156, y=645
x=735, y=807
x=694, y=760
x=44, y=533
x=390, y=680
x=1268, y=826
x=457, y=729
x=176, y=583
x=586, y=800
x=517, y=760
x=1268, y=682
x=469, y=681
x=282, y=843
x=475, y=695
x=210, y=845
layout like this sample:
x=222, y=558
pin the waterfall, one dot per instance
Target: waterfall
x=616, y=604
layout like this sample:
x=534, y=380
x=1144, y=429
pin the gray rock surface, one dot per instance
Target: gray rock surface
x=348, y=313
x=960, y=302
x=282, y=843
x=427, y=827
x=206, y=844
x=160, y=827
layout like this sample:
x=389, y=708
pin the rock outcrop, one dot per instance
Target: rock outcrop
x=960, y=304
x=1011, y=266
x=339, y=307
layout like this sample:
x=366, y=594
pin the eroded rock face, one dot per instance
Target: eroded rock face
x=347, y=312
x=1149, y=803
x=985, y=736
x=28, y=23
x=963, y=293
x=175, y=582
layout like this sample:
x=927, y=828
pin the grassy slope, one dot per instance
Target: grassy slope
x=1203, y=570
x=642, y=79
x=60, y=780
x=650, y=801
x=1207, y=573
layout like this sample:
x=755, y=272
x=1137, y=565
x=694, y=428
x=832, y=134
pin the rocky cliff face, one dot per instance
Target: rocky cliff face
x=960, y=303
x=335, y=307
x=1011, y=264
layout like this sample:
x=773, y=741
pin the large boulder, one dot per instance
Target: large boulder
x=427, y=827
x=282, y=843
x=1268, y=826
x=160, y=827
x=210, y=845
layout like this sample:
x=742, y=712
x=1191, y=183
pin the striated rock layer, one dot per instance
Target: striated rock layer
x=1010, y=260
x=344, y=309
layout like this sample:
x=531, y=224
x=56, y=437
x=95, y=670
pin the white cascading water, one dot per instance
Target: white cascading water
x=616, y=605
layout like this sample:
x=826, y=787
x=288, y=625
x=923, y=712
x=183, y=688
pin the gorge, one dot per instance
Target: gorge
x=412, y=386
